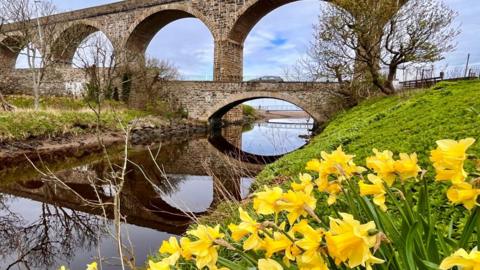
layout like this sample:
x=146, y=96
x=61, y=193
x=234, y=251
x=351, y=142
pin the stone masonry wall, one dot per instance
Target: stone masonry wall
x=204, y=99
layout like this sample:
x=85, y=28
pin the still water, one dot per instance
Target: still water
x=46, y=223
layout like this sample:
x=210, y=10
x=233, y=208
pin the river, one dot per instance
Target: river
x=46, y=223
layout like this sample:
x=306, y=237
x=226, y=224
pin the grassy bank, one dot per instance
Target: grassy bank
x=58, y=116
x=406, y=122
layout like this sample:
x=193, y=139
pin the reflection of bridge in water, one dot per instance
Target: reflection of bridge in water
x=142, y=204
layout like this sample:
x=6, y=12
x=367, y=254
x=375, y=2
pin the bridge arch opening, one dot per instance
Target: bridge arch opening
x=167, y=35
x=270, y=48
x=68, y=42
x=94, y=50
x=274, y=128
x=29, y=57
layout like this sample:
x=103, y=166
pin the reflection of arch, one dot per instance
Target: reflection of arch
x=149, y=25
x=224, y=146
x=67, y=42
x=216, y=112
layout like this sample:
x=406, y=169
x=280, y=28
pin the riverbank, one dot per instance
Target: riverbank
x=66, y=127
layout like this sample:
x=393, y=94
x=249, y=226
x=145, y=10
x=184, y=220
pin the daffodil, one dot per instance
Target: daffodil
x=305, y=184
x=172, y=248
x=62, y=267
x=314, y=165
x=204, y=247
x=265, y=202
x=312, y=257
x=296, y=203
x=376, y=188
x=448, y=159
x=333, y=189
x=339, y=164
x=162, y=265
x=463, y=193
x=282, y=243
x=462, y=259
x=269, y=264
x=349, y=242
x=92, y=266
x=407, y=166
x=384, y=165
x=250, y=227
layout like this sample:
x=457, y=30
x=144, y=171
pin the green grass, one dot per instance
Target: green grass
x=408, y=122
x=58, y=116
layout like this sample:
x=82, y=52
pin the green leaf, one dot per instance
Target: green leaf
x=410, y=246
x=469, y=228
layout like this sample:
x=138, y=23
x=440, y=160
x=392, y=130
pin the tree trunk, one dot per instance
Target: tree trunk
x=392, y=72
x=36, y=96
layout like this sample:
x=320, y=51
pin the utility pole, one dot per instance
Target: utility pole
x=466, y=67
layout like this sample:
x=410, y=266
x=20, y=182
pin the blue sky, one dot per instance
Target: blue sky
x=277, y=41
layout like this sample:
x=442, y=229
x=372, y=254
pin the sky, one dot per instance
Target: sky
x=277, y=41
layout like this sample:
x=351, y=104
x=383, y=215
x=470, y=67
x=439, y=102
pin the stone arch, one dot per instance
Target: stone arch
x=67, y=41
x=250, y=15
x=146, y=27
x=10, y=48
x=216, y=112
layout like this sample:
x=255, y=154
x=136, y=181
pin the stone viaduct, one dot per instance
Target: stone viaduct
x=130, y=26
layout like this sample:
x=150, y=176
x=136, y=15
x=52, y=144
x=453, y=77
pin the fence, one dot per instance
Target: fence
x=451, y=76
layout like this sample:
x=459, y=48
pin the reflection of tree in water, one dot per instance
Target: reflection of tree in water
x=54, y=235
x=143, y=165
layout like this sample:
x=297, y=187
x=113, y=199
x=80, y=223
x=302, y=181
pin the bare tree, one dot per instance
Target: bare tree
x=388, y=34
x=32, y=35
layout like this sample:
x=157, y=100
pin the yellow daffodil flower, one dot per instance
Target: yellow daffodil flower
x=407, y=166
x=162, y=265
x=384, y=165
x=280, y=242
x=269, y=264
x=322, y=182
x=248, y=226
x=349, y=242
x=314, y=165
x=340, y=164
x=312, y=257
x=62, y=267
x=265, y=202
x=305, y=184
x=204, y=248
x=376, y=188
x=333, y=189
x=172, y=248
x=463, y=193
x=92, y=266
x=463, y=260
x=448, y=159
x=295, y=203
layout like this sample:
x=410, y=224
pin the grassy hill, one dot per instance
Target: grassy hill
x=406, y=122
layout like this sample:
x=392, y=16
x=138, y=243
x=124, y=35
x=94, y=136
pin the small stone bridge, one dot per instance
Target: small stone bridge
x=131, y=25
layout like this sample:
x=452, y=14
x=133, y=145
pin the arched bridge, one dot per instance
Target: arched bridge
x=131, y=25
